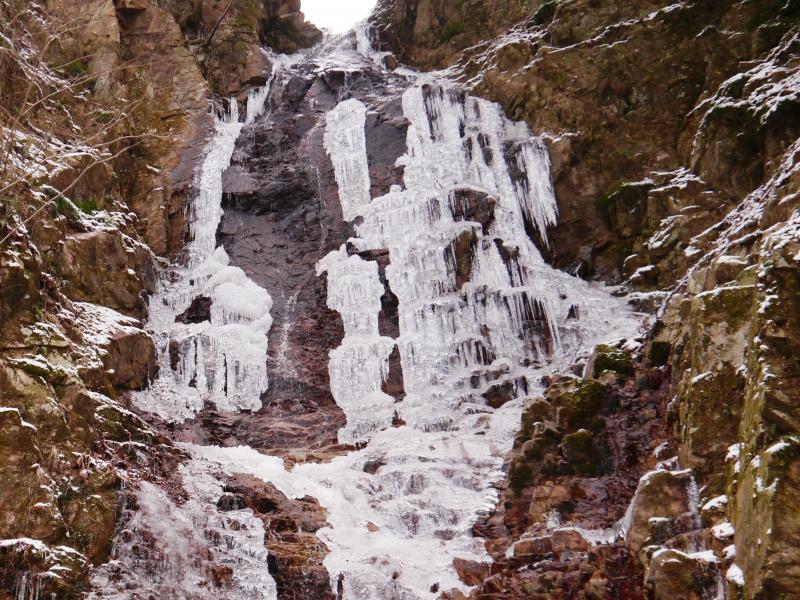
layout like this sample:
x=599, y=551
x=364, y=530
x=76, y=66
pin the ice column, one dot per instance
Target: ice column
x=346, y=145
x=220, y=357
x=360, y=365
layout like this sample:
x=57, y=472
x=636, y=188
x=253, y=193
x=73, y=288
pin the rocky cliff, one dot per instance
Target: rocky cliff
x=673, y=129
x=392, y=226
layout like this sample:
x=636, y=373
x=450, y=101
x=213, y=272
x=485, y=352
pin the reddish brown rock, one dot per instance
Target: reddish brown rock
x=282, y=215
x=470, y=571
x=108, y=268
x=296, y=554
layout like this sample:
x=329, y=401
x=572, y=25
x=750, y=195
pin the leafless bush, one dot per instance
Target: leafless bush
x=52, y=126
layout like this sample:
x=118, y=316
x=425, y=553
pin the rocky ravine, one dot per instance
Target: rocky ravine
x=660, y=469
x=673, y=129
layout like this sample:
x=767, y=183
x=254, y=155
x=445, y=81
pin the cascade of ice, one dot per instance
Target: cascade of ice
x=513, y=312
x=478, y=308
x=508, y=318
x=219, y=357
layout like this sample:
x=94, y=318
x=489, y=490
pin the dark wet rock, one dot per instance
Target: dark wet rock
x=373, y=465
x=499, y=394
x=385, y=130
x=394, y=385
x=230, y=501
x=198, y=312
x=473, y=205
x=462, y=253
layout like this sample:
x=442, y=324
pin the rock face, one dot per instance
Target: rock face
x=673, y=131
x=665, y=467
x=121, y=270
x=633, y=99
x=295, y=551
x=226, y=38
x=575, y=466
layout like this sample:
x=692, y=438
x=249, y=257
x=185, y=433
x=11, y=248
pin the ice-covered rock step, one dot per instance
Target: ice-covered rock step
x=177, y=551
x=399, y=510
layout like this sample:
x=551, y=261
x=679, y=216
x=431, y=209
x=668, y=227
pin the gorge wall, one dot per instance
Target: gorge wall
x=104, y=123
x=660, y=465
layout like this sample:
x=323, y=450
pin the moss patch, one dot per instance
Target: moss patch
x=546, y=12
x=586, y=457
x=625, y=194
x=581, y=404
x=520, y=475
x=452, y=30
x=611, y=359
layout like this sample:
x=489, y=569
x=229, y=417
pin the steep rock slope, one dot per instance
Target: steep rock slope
x=673, y=131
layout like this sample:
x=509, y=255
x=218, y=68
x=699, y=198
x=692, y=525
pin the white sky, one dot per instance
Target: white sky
x=337, y=15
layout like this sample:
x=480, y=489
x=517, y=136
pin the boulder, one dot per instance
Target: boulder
x=673, y=575
x=471, y=572
x=659, y=494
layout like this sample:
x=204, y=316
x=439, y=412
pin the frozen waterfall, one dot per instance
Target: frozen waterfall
x=479, y=309
x=219, y=357
x=513, y=320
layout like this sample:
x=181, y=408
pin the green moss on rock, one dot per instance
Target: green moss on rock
x=580, y=403
x=546, y=12
x=520, y=474
x=585, y=455
x=626, y=194
x=452, y=30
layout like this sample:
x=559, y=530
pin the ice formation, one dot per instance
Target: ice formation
x=515, y=311
x=360, y=365
x=514, y=317
x=222, y=359
x=171, y=551
x=478, y=308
